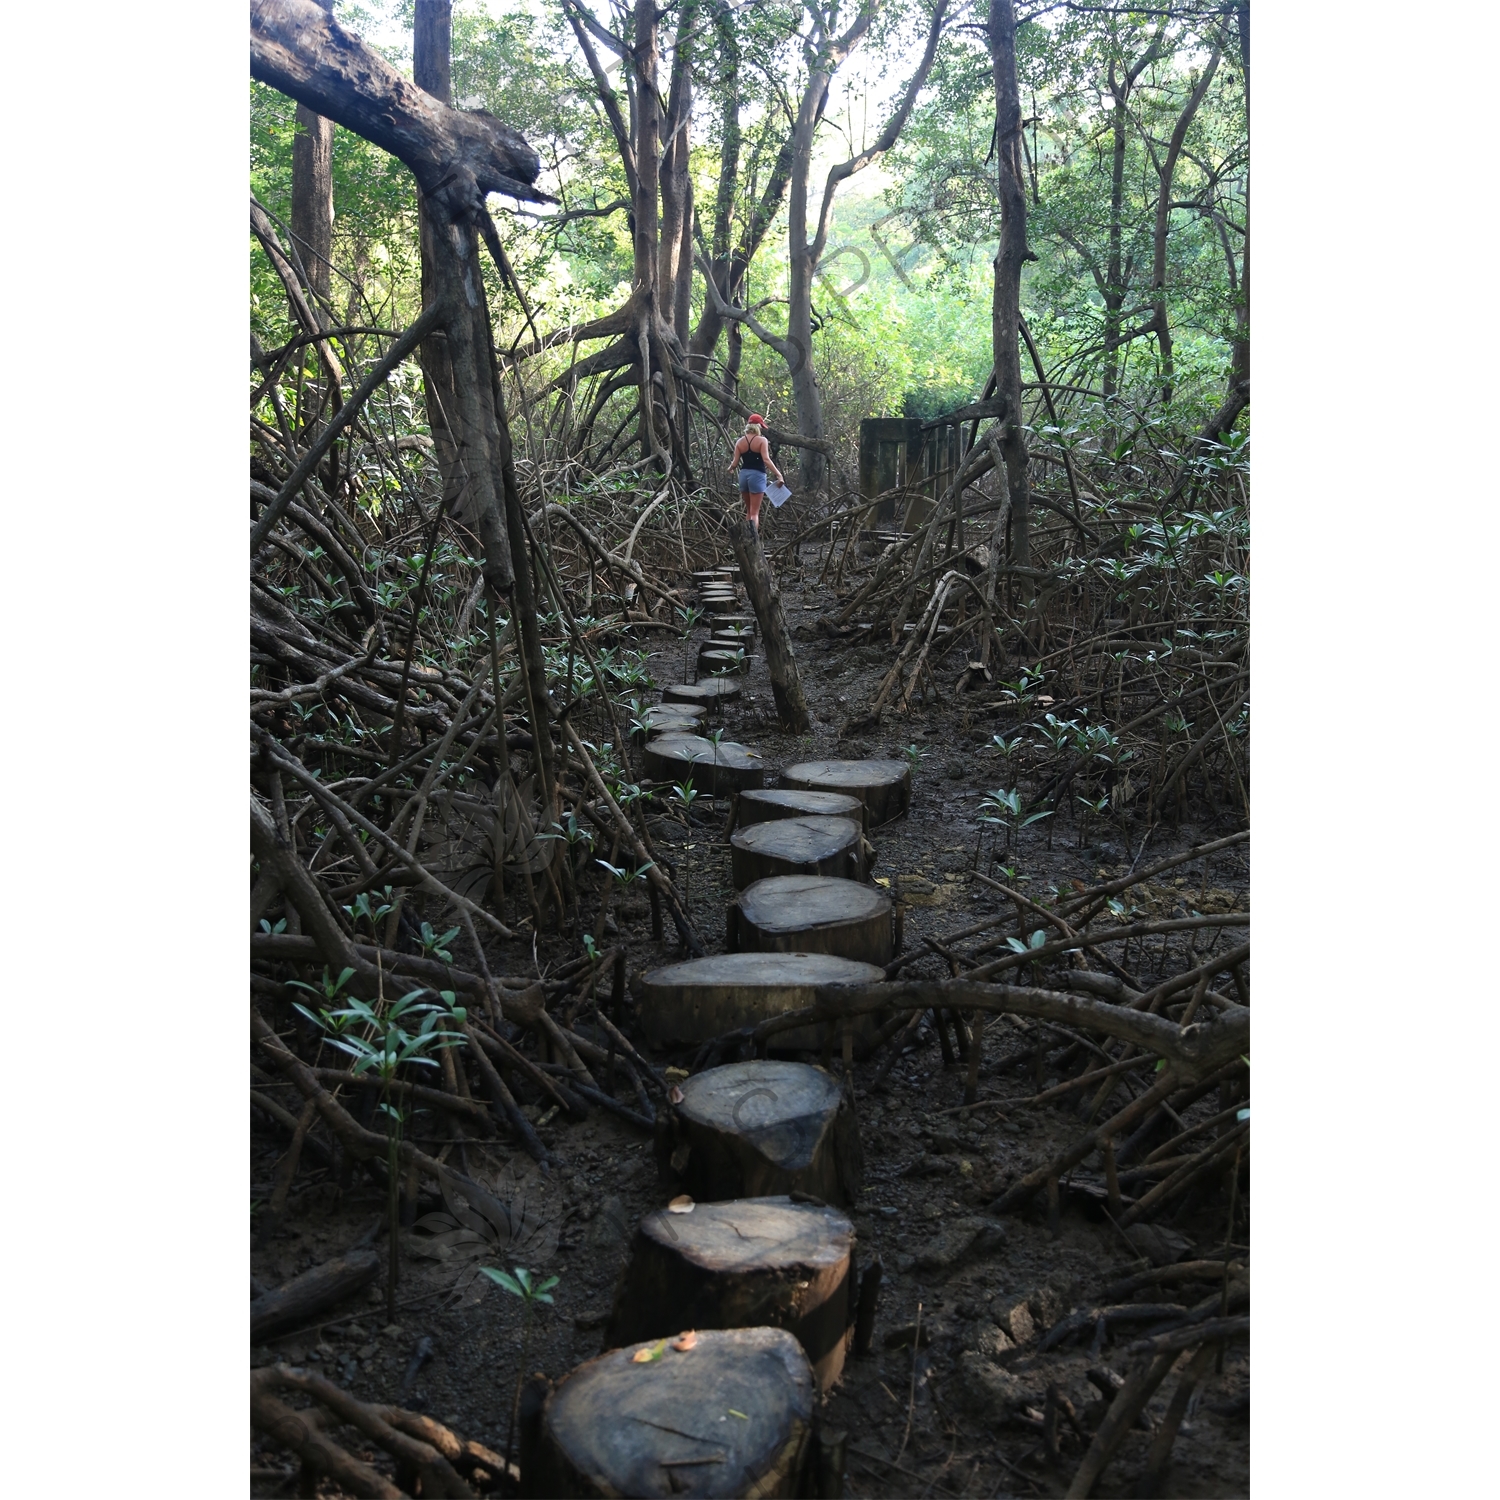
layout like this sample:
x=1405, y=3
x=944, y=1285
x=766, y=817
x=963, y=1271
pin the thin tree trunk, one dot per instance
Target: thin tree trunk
x=765, y=600
x=1009, y=259
x=805, y=254
x=1166, y=172
x=675, y=273
x=1237, y=393
x=799, y=333
x=1114, y=291
x=432, y=69
x=312, y=193
x=1117, y=272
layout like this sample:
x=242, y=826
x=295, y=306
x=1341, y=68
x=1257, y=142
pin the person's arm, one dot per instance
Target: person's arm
x=734, y=458
x=771, y=463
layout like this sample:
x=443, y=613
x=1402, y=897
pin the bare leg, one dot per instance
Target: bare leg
x=752, y=507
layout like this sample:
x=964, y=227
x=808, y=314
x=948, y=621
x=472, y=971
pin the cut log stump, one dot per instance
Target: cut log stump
x=761, y=1129
x=669, y=718
x=803, y=845
x=716, y=769
x=718, y=690
x=702, y=998
x=713, y=660
x=765, y=804
x=884, y=786
x=657, y=712
x=732, y=1416
x=747, y=1263
x=812, y=914
x=744, y=623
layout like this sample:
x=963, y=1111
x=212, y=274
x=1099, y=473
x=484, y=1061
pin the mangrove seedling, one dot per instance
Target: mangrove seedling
x=689, y=617
x=435, y=945
x=519, y=1284
x=622, y=878
x=383, y=1050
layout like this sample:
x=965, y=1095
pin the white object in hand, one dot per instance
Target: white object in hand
x=778, y=495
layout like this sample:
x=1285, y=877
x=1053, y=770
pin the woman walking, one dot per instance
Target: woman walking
x=752, y=455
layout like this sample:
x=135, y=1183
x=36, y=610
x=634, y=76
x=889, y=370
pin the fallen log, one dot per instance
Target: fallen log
x=315, y=1291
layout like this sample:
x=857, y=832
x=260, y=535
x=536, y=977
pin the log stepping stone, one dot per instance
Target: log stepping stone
x=715, y=769
x=715, y=691
x=747, y=623
x=763, y=1128
x=702, y=998
x=803, y=845
x=669, y=718
x=666, y=713
x=732, y=1416
x=884, y=786
x=732, y=636
x=764, y=804
x=812, y=914
x=722, y=659
x=747, y=1263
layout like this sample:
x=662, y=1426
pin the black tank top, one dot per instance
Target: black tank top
x=750, y=459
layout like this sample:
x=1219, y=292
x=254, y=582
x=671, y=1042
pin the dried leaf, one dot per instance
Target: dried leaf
x=687, y=1341
x=681, y=1204
x=676, y=1095
x=646, y=1356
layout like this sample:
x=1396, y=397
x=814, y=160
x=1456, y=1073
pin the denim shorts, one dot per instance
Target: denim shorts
x=753, y=481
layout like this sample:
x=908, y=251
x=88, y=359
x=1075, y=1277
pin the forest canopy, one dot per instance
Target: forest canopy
x=910, y=241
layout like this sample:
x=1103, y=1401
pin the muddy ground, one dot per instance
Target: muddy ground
x=962, y=1414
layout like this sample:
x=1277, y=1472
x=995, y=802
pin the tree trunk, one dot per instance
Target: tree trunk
x=765, y=600
x=805, y=254
x=1166, y=172
x=457, y=159
x=813, y=467
x=1114, y=289
x=1009, y=258
x=1237, y=394
x=312, y=193
x=731, y=263
x=1118, y=268
x=705, y=338
x=432, y=68
x=675, y=264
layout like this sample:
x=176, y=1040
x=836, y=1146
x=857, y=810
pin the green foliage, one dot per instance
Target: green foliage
x=521, y=1285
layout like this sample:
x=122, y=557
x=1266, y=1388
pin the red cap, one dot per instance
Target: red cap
x=756, y=417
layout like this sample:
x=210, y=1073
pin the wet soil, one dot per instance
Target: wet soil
x=962, y=1414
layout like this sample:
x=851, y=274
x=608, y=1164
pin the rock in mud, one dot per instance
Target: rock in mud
x=1162, y=1247
x=994, y=1394
x=963, y=1237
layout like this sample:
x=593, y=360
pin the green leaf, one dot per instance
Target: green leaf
x=503, y=1279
